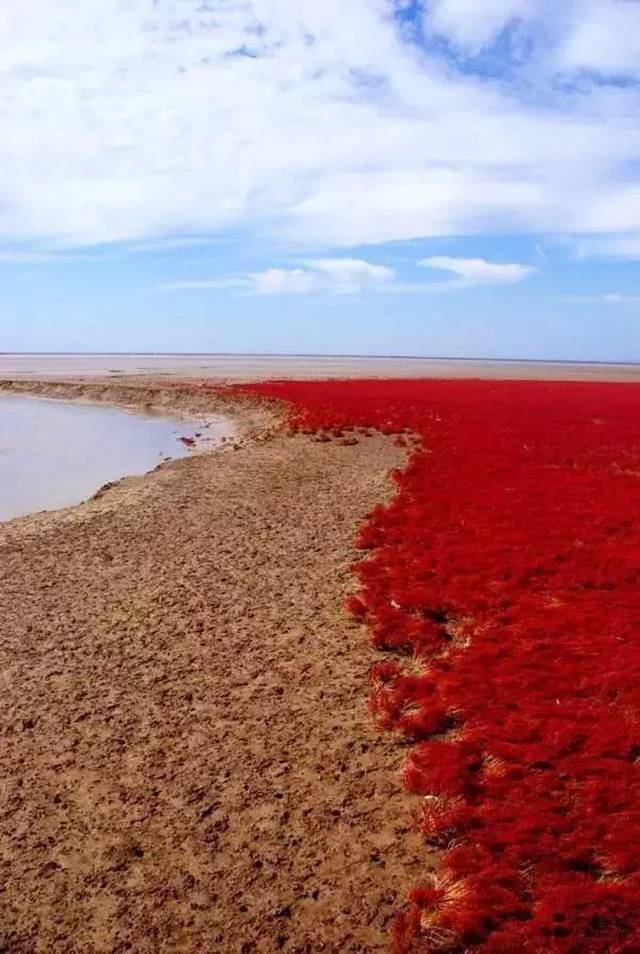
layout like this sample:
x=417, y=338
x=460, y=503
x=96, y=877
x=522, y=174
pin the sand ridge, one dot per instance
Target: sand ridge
x=188, y=763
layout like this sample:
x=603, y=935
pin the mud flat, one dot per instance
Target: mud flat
x=187, y=760
x=248, y=367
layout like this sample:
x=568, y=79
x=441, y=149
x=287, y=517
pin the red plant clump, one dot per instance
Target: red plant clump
x=508, y=567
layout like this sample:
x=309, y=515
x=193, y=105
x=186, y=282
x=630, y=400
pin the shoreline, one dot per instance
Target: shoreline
x=149, y=397
x=251, y=421
x=56, y=452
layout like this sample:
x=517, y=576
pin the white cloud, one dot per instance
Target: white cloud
x=351, y=276
x=313, y=122
x=282, y=281
x=332, y=276
x=605, y=37
x=346, y=276
x=598, y=35
x=473, y=25
x=477, y=271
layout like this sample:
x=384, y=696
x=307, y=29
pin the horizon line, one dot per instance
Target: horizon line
x=303, y=354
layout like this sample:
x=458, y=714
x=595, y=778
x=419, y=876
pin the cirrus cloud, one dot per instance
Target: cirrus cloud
x=478, y=271
x=332, y=276
x=352, y=276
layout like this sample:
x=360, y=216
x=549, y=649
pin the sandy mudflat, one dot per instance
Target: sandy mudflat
x=187, y=761
x=248, y=367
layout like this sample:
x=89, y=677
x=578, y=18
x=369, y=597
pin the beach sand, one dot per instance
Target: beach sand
x=188, y=763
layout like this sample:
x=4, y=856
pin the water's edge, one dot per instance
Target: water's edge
x=56, y=453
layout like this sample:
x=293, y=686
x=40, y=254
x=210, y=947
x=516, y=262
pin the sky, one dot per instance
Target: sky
x=428, y=177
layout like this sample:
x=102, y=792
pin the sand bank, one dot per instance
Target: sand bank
x=188, y=763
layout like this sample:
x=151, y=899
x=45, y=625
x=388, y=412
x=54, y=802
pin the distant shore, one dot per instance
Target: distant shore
x=256, y=367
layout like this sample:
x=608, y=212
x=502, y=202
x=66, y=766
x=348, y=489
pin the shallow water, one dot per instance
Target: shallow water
x=57, y=453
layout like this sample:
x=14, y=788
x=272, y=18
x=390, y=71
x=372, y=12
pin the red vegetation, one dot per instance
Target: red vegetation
x=508, y=567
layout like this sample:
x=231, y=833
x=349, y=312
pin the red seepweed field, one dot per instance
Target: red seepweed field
x=503, y=585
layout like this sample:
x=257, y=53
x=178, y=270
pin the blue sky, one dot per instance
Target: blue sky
x=440, y=177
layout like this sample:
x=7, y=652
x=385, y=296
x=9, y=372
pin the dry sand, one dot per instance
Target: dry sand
x=188, y=764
